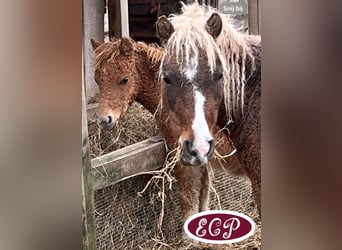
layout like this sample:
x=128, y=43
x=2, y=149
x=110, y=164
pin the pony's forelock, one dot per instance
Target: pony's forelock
x=189, y=37
x=105, y=52
x=110, y=50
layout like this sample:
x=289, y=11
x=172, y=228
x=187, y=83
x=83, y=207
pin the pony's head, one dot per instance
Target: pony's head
x=192, y=72
x=115, y=74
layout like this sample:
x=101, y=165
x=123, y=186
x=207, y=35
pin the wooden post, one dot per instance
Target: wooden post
x=259, y=15
x=93, y=26
x=118, y=18
x=88, y=210
x=254, y=17
x=92, y=110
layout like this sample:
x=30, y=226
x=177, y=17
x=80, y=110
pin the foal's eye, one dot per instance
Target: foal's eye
x=219, y=77
x=167, y=80
x=124, y=81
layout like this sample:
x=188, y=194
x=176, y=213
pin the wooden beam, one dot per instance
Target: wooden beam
x=88, y=215
x=92, y=110
x=259, y=15
x=118, y=18
x=132, y=160
x=112, y=29
x=124, y=18
x=93, y=26
x=253, y=17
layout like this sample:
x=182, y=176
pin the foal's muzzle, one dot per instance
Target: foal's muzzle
x=106, y=122
x=191, y=157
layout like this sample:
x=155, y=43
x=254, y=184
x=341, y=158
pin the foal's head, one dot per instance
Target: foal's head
x=115, y=73
x=192, y=72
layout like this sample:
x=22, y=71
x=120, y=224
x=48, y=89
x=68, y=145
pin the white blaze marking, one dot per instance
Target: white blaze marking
x=200, y=125
x=191, y=71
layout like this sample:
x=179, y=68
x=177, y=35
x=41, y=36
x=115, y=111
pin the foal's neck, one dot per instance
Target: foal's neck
x=149, y=93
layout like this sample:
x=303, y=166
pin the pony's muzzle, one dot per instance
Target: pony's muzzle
x=106, y=122
x=191, y=156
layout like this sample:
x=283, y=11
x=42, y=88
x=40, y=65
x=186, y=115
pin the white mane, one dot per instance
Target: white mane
x=230, y=46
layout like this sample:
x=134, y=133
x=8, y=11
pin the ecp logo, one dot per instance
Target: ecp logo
x=219, y=226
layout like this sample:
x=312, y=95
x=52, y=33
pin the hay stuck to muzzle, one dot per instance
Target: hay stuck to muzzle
x=143, y=212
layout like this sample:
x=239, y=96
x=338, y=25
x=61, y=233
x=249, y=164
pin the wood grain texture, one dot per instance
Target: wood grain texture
x=254, y=17
x=92, y=110
x=88, y=215
x=130, y=161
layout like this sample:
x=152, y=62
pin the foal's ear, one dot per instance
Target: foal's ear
x=164, y=28
x=95, y=43
x=126, y=46
x=214, y=25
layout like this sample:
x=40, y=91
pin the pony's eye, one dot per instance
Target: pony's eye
x=219, y=76
x=167, y=80
x=124, y=81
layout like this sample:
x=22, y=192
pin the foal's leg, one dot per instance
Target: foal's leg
x=189, y=182
x=204, y=195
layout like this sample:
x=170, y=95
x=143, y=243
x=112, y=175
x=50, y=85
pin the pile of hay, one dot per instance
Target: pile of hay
x=127, y=218
x=137, y=125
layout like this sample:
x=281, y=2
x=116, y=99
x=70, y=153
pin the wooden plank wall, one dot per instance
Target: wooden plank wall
x=93, y=26
x=254, y=17
x=118, y=18
x=213, y=3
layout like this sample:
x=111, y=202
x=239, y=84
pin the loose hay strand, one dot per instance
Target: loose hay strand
x=164, y=173
x=211, y=185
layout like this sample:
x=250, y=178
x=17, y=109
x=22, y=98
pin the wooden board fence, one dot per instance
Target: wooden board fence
x=127, y=162
x=111, y=168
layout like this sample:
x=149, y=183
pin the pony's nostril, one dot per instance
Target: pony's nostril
x=106, y=122
x=109, y=120
x=189, y=149
x=194, y=153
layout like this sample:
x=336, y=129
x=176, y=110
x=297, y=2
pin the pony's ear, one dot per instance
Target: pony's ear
x=164, y=28
x=214, y=25
x=95, y=43
x=126, y=46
